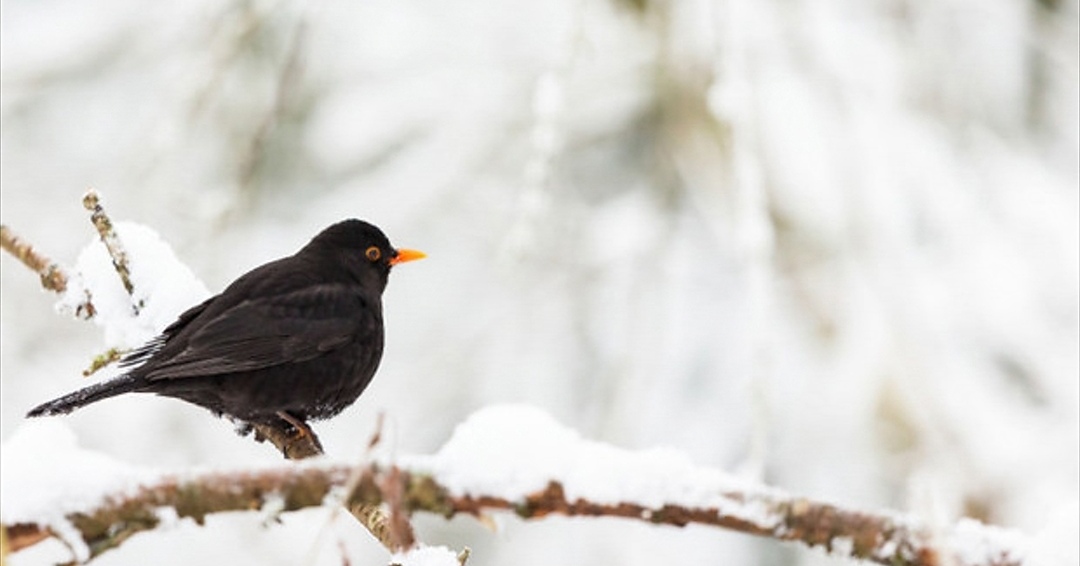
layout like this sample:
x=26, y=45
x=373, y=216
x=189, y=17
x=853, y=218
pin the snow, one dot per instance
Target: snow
x=426, y=556
x=162, y=286
x=1056, y=543
x=976, y=543
x=44, y=474
x=841, y=546
x=514, y=450
x=835, y=242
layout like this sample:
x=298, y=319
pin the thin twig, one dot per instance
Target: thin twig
x=104, y=227
x=288, y=78
x=374, y=520
x=392, y=486
x=53, y=277
x=103, y=360
x=376, y=437
x=393, y=532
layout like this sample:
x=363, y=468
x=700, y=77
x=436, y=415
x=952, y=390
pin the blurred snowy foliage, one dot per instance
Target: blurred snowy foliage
x=830, y=245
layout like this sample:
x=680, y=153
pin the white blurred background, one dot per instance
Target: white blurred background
x=832, y=245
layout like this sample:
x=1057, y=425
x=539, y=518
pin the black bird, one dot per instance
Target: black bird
x=293, y=340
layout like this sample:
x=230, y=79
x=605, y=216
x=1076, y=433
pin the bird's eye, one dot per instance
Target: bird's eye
x=373, y=253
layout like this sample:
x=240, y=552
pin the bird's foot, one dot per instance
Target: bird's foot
x=295, y=442
x=300, y=430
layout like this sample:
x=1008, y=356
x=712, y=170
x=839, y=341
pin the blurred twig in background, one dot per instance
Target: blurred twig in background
x=53, y=276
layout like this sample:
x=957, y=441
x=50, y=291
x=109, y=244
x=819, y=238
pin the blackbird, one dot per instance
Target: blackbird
x=294, y=340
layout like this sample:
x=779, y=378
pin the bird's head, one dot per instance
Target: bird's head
x=362, y=249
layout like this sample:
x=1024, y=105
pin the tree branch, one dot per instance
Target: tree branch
x=292, y=446
x=53, y=277
x=883, y=538
x=104, y=226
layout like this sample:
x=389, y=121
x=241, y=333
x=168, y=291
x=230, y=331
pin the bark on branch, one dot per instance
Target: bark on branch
x=878, y=537
x=53, y=276
x=104, y=226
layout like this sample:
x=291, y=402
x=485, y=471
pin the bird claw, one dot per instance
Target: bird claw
x=300, y=432
x=300, y=428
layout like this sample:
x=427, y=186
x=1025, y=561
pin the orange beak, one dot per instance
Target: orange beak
x=404, y=255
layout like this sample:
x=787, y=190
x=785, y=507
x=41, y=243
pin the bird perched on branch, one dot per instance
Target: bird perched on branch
x=293, y=340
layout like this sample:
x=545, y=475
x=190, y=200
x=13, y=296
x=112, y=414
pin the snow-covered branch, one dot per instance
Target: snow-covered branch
x=53, y=276
x=587, y=479
x=104, y=226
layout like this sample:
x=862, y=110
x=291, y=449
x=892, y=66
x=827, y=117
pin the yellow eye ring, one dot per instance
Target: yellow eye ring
x=373, y=253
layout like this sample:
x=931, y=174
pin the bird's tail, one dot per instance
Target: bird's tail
x=87, y=395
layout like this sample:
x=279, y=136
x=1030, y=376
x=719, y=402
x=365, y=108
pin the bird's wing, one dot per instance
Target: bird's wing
x=271, y=331
x=147, y=350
